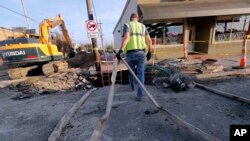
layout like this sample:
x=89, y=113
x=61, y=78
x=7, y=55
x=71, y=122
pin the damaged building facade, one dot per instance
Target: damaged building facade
x=197, y=26
x=5, y=33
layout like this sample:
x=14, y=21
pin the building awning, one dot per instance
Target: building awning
x=170, y=10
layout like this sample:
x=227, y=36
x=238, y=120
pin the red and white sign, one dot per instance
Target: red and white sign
x=92, y=28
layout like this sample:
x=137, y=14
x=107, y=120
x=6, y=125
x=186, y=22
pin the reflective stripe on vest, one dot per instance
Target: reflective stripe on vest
x=137, y=36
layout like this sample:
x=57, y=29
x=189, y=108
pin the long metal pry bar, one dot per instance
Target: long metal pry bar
x=198, y=133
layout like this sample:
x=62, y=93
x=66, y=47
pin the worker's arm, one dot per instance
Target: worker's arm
x=149, y=45
x=125, y=40
x=124, y=44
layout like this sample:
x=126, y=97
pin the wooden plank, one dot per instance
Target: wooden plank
x=221, y=74
x=54, y=136
x=225, y=94
x=101, y=124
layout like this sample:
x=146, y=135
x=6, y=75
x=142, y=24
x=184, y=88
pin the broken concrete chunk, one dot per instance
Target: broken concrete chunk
x=66, y=81
x=165, y=85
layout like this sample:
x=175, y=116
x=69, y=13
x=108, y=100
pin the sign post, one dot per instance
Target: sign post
x=94, y=40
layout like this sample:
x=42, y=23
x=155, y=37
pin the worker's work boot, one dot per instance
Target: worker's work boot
x=132, y=89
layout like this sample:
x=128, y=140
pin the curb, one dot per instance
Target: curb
x=224, y=73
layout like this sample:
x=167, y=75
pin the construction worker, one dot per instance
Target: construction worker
x=135, y=40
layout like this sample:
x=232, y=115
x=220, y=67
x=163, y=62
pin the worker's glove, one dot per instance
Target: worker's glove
x=148, y=56
x=118, y=54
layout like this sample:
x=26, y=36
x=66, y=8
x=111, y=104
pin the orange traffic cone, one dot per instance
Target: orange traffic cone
x=243, y=59
x=243, y=62
x=185, y=52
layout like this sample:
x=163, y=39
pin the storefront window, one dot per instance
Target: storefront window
x=166, y=33
x=233, y=28
x=174, y=34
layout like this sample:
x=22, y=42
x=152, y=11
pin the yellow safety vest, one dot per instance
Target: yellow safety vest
x=137, y=36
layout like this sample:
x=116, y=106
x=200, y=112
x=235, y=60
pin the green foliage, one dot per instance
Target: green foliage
x=89, y=47
x=85, y=47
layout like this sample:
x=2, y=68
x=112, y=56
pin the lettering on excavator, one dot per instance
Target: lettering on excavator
x=13, y=53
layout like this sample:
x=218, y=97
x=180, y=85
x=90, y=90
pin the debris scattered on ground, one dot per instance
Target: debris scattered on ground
x=169, y=77
x=193, y=66
x=78, y=77
x=71, y=80
x=180, y=82
x=210, y=66
x=176, y=80
x=151, y=111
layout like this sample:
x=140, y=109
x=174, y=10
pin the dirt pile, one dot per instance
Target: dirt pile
x=73, y=79
x=82, y=60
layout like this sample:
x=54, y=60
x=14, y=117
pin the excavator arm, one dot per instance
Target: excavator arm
x=48, y=24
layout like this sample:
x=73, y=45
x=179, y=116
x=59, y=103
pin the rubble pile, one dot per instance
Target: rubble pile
x=178, y=73
x=169, y=77
x=193, y=66
x=60, y=82
x=211, y=65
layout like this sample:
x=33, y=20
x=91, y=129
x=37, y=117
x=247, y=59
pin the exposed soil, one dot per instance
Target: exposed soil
x=71, y=80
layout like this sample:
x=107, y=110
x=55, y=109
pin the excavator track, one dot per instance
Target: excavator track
x=48, y=69
x=61, y=66
x=54, y=67
x=21, y=72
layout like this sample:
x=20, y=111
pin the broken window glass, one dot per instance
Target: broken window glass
x=233, y=28
x=166, y=33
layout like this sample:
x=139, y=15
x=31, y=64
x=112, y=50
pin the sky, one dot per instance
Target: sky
x=74, y=13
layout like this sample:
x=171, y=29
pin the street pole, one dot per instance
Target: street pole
x=25, y=14
x=94, y=40
x=185, y=38
x=102, y=40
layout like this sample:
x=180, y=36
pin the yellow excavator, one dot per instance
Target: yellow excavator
x=28, y=52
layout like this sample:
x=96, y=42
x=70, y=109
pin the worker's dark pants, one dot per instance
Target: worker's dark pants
x=136, y=61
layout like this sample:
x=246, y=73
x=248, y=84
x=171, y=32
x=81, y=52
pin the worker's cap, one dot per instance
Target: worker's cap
x=134, y=15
